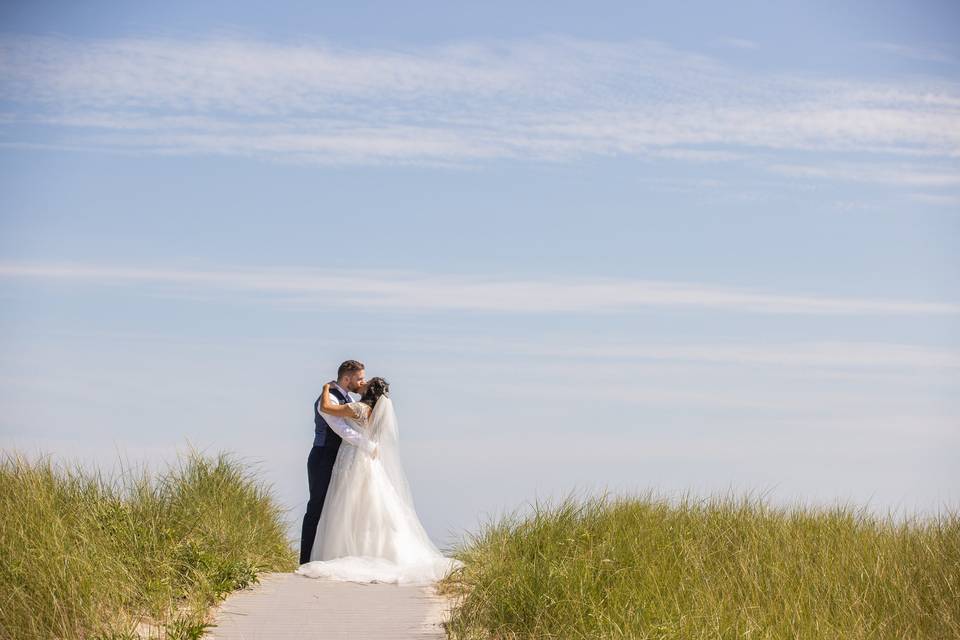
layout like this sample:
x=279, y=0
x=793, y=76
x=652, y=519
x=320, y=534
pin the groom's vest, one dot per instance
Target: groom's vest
x=322, y=433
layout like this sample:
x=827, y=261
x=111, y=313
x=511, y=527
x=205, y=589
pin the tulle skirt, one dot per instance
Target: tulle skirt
x=369, y=530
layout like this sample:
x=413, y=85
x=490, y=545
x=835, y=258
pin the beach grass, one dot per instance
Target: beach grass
x=720, y=567
x=131, y=555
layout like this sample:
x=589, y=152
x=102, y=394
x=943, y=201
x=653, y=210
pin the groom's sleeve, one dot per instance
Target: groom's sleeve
x=348, y=433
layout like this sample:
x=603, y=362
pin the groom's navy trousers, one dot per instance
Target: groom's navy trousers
x=326, y=443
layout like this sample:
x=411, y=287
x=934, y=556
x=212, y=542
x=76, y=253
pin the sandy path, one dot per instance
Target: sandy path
x=287, y=605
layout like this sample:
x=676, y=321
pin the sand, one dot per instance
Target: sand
x=287, y=605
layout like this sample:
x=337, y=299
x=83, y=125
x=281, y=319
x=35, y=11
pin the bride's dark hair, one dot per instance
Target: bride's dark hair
x=376, y=387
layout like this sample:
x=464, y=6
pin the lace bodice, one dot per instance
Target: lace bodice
x=361, y=413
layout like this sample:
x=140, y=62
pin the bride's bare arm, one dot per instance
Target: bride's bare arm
x=333, y=408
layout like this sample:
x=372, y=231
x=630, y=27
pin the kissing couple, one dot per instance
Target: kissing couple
x=361, y=524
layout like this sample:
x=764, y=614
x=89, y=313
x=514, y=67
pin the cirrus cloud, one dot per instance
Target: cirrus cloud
x=550, y=99
x=411, y=291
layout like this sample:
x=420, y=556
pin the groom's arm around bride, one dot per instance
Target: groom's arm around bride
x=337, y=414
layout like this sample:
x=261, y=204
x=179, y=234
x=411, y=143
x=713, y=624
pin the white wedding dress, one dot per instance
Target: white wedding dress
x=369, y=530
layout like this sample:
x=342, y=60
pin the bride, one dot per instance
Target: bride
x=369, y=530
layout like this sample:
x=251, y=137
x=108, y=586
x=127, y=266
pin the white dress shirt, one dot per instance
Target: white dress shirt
x=343, y=427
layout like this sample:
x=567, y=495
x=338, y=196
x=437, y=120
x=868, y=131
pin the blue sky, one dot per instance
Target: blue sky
x=591, y=245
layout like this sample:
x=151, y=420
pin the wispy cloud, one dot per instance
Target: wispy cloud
x=910, y=175
x=938, y=199
x=913, y=52
x=553, y=99
x=799, y=354
x=423, y=292
x=737, y=43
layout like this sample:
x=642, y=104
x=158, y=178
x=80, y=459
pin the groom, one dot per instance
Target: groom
x=329, y=431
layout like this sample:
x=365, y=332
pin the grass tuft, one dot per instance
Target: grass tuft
x=721, y=567
x=87, y=556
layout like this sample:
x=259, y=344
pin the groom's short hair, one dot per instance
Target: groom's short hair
x=349, y=366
